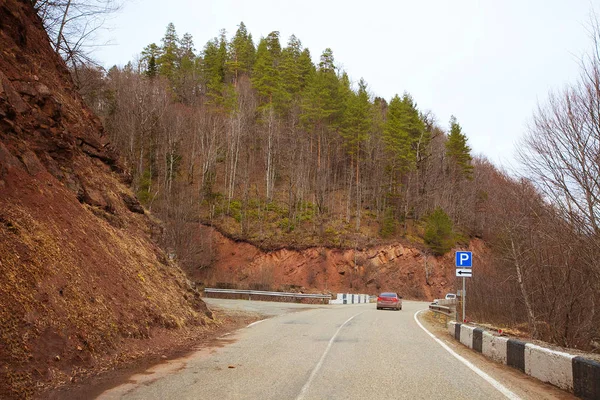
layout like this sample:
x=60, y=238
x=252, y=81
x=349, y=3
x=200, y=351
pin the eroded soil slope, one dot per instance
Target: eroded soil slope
x=408, y=270
x=79, y=272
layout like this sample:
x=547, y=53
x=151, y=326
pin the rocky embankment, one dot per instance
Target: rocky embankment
x=395, y=267
x=81, y=277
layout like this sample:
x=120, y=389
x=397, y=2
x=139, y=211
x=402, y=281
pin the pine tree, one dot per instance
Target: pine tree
x=186, y=78
x=321, y=103
x=149, y=56
x=152, y=69
x=214, y=66
x=290, y=66
x=403, y=133
x=242, y=54
x=186, y=47
x=321, y=110
x=296, y=69
x=355, y=130
x=306, y=68
x=357, y=119
x=457, y=149
x=327, y=62
x=266, y=78
x=168, y=61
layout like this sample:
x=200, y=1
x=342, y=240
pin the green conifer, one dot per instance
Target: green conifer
x=457, y=149
x=439, y=234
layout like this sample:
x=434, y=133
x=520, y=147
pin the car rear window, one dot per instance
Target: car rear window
x=387, y=295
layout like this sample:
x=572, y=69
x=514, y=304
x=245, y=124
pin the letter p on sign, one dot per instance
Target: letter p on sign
x=464, y=259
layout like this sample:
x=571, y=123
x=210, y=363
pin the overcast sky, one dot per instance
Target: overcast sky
x=486, y=62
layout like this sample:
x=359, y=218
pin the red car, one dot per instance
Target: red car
x=389, y=300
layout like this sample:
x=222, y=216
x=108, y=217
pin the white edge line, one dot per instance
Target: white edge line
x=320, y=363
x=255, y=322
x=500, y=387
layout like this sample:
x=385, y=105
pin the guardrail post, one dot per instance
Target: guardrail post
x=294, y=296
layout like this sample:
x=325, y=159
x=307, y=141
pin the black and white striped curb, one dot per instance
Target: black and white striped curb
x=576, y=374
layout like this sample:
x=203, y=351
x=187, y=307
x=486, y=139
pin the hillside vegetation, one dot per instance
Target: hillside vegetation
x=270, y=147
x=274, y=149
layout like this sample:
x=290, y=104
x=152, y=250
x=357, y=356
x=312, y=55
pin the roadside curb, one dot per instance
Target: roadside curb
x=575, y=374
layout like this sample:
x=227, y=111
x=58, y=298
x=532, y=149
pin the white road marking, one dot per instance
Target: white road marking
x=500, y=387
x=320, y=363
x=255, y=322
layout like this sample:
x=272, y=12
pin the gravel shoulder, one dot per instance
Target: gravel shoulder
x=163, y=347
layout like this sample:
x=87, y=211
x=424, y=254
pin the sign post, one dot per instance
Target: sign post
x=464, y=269
x=464, y=301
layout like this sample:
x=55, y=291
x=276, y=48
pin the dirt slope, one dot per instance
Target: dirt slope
x=223, y=261
x=79, y=272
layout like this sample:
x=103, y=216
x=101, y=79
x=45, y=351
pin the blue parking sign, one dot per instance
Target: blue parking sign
x=464, y=259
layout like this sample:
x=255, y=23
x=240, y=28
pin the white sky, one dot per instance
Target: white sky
x=486, y=62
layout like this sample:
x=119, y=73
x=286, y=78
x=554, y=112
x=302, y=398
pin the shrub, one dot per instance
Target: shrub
x=388, y=227
x=439, y=235
x=286, y=225
x=307, y=211
x=235, y=210
x=143, y=193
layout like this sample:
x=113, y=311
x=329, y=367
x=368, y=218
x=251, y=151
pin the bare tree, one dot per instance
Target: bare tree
x=72, y=25
x=562, y=148
x=562, y=155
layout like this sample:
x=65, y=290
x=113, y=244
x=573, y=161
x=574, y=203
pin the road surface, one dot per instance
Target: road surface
x=329, y=352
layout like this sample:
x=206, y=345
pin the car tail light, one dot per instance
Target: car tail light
x=379, y=299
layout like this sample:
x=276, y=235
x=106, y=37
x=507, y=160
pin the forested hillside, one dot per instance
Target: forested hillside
x=272, y=148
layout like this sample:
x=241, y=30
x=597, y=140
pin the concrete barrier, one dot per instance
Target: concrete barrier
x=549, y=366
x=577, y=375
x=515, y=354
x=350, y=298
x=466, y=335
x=494, y=347
x=451, y=328
x=478, y=339
x=586, y=378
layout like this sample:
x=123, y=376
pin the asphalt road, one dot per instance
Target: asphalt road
x=327, y=352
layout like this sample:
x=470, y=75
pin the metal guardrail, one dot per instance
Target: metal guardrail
x=441, y=309
x=251, y=293
x=444, y=302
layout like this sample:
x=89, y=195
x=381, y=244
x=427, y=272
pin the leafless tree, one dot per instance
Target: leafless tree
x=72, y=25
x=562, y=149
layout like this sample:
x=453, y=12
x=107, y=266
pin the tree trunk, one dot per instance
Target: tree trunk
x=62, y=26
x=519, y=271
x=358, y=194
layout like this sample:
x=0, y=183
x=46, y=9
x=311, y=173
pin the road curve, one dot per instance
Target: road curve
x=327, y=352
